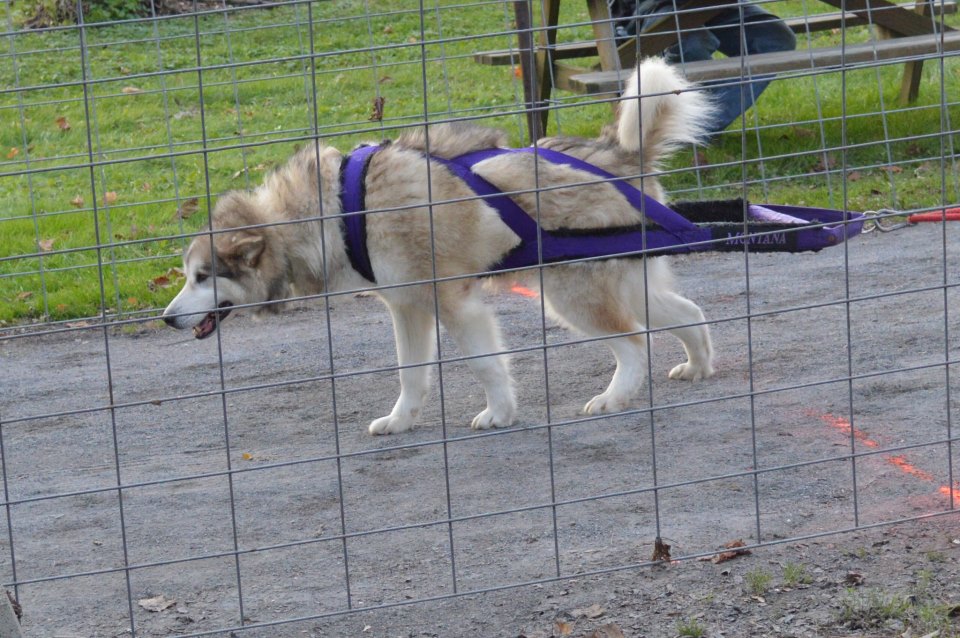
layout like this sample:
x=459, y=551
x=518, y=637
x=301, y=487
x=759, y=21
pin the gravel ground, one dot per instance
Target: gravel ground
x=264, y=483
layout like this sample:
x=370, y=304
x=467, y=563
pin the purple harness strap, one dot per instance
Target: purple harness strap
x=771, y=227
x=353, y=190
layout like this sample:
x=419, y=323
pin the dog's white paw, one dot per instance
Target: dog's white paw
x=691, y=372
x=605, y=404
x=390, y=424
x=493, y=419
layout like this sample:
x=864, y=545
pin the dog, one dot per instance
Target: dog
x=431, y=243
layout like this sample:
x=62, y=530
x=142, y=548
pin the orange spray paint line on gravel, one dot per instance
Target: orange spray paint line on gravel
x=523, y=291
x=899, y=461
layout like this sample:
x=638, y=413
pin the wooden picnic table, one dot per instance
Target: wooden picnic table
x=909, y=31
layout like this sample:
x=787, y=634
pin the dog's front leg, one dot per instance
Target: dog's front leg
x=414, y=326
x=472, y=325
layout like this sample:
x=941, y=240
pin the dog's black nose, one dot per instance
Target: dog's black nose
x=169, y=320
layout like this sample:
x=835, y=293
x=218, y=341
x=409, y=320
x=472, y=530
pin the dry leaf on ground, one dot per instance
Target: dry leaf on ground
x=734, y=551
x=187, y=208
x=593, y=611
x=157, y=603
x=377, y=114
x=661, y=551
x=608, y=630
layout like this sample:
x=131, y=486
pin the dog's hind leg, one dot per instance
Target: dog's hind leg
x=414, y=326
x=599, y=313
x=471, y=323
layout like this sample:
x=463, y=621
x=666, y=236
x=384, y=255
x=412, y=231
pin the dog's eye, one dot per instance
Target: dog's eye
x=201, y=277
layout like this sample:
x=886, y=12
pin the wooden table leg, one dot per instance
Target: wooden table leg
x=536, y=61
x=913, y=71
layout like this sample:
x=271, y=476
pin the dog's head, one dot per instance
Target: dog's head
x=237, y=264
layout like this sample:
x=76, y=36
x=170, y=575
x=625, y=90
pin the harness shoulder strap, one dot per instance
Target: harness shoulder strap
x=353, y=190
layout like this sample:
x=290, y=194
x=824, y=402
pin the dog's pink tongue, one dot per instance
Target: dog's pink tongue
x=206, y=327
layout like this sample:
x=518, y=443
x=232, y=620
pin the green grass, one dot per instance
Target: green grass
x=795, y=574
x=757, y=581
x=155, y=139
x=926, y=610
x=691, y=629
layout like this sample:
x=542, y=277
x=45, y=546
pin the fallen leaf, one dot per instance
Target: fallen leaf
x=132, y=301
x=157, y=603
x=593, y=611
x=23, y=296
x=130, y=90
x=518, y=72
x=77, y=201
x=893, y=169
x=854, y=176
x=825, y=164
x=187, y=208
x=46, y=245
x=63, y=124
x=853, y=579
x=188, y=112
x=377, y=114
x=388, y=29
x=109, y=197
x=246, y=456
x=165, y=280
x=661, y=551
x=15, y=605
x=723, y=557
x=14, y=151
x=608, y=630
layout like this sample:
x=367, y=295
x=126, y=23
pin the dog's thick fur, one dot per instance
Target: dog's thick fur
x=259, y=262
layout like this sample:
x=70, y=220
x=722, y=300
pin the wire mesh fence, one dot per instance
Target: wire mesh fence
x=159, y=485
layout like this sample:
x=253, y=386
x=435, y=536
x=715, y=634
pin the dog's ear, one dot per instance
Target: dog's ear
x=245, y=247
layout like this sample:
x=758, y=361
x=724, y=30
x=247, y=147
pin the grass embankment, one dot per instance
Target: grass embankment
x=164, y=139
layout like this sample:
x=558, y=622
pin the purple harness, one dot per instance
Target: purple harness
x=719, y=225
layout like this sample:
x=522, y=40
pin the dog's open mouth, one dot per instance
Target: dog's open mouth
x=209, y=323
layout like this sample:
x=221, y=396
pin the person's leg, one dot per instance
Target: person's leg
x=762, y=32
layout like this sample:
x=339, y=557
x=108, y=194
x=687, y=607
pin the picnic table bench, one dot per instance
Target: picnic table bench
x=908, y=33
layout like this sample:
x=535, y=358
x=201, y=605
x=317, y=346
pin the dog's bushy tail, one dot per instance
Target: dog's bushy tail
x=660, y=112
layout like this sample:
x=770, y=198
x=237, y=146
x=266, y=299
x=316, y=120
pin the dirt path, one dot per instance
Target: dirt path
x=782, y=397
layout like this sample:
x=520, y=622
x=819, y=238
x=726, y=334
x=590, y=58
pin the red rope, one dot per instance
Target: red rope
x=950, y=215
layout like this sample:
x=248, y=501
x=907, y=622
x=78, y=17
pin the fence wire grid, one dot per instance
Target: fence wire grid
x=158, y=485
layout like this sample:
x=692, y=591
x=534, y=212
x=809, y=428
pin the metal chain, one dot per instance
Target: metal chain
x=876, y=220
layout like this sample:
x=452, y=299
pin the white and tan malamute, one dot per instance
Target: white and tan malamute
x=256, y=256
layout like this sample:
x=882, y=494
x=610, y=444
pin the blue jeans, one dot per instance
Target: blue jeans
x=763, y=32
